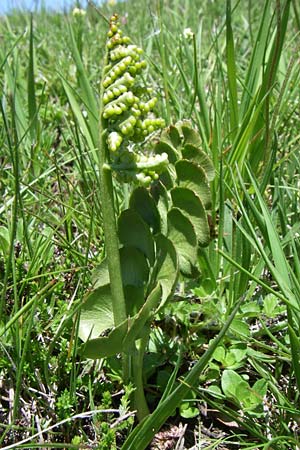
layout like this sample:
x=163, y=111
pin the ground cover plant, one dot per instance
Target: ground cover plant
x=149, y=235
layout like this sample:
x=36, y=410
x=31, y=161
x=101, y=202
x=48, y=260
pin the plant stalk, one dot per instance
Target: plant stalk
x=109, y=220
x=140, y=403
x=110, y=228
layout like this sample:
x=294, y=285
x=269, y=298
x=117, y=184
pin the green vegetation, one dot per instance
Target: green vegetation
x=149, y=226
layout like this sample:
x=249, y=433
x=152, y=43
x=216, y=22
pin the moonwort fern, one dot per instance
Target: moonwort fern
x=127, y=110
x=154, y=241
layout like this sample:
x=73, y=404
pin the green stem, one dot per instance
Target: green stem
x=110, y=229
x=140, y=403
x=109, y=221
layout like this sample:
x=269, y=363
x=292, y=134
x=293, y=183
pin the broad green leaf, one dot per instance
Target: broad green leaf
x=137, y=323
x=230, y=360
x=193, y=177
x=231, y=383
x=134, y=298
x=100, y=275
x=240, y=328
x=260, y=388
x=171, y=134
x=219, y=354
x=165, y=147
x=190, y=204
x=233, y=356
x=239, y=351
x=183, y=236
x=134, y=267
x=121, y=338
x=142, y=202
x=190, y=136
x=166, y=266
x=167, y=177
x=251, y=309
x=134, y=232
x=160, y=195
x=244, y=396
x=174, y=136
x=271, y=306
x=188, y=410
x=109, y=345
x=96, y=314
x=252, y=398
x=194, y=154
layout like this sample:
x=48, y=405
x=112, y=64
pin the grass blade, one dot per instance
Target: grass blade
x=32, y=109
x=295, y=350
x=88, y=96
x=80, y=117
x=231, y=72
